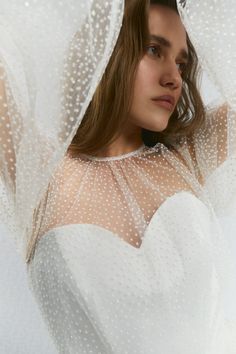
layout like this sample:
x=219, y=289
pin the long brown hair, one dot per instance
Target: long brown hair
x=108, y=111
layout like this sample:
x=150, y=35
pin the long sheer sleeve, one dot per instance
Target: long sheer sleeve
x=211, y=150
x=52, y=56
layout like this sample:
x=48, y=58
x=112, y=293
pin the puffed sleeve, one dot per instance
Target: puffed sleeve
x=52, y=57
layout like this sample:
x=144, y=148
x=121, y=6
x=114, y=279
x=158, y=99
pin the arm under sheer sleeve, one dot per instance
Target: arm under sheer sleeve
x=8, y=156
x=52, y=57
x=211, y=150
x=206, y=149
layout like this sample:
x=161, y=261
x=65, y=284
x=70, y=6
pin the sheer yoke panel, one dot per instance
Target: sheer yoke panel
x=120, y=195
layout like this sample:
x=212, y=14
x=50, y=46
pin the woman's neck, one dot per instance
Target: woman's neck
x=127, y=142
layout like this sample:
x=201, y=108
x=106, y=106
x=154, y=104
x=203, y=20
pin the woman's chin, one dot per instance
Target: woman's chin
x=159, y=126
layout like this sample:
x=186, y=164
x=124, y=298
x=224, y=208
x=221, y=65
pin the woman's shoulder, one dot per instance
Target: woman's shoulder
x=68, y=169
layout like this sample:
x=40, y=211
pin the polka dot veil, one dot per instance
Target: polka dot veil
x=52, y=56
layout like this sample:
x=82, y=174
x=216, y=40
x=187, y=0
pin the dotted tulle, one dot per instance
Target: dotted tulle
x=125, y=255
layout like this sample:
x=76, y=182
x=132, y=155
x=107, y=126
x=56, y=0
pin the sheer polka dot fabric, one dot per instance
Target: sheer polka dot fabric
x=211, y=27
x=52, y=56
x=125, y=255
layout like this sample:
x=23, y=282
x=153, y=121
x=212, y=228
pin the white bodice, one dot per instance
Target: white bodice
x=100, y=294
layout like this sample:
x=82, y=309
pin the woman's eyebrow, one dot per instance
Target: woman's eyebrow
x=166, y=43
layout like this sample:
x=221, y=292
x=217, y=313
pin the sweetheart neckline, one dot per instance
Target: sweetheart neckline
x=115, y=235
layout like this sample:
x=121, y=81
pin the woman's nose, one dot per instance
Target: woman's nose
x=171, y=77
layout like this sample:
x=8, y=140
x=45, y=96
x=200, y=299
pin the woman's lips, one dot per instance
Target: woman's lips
x=163, y=103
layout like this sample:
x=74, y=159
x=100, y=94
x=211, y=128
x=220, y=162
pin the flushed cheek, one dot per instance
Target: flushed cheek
x=142, y=96
x=146, y=78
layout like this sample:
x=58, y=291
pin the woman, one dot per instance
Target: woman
x=124, y=249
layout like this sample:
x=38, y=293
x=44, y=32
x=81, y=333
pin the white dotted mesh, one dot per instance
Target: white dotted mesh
x=126, y=255
x=52, y=56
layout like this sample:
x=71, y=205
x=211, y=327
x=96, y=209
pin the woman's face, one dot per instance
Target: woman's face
x=159, y=71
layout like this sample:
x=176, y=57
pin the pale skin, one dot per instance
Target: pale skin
x=159, y=73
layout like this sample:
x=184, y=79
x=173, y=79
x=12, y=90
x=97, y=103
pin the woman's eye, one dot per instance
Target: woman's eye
x=154, y=50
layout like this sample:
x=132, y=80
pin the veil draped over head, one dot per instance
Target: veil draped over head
x=52, y=56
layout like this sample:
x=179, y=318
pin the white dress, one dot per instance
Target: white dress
x=100, y=294
x=124, y=254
